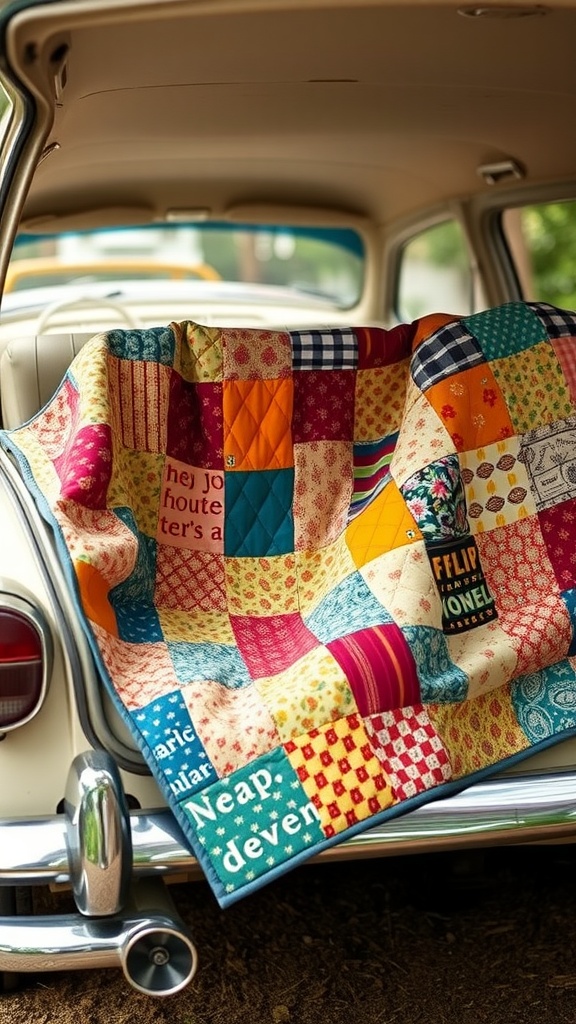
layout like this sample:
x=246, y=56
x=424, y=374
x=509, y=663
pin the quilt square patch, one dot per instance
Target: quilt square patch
x=540, y=631
x=322, y=492
x=198, y=356
x=190, y=579
x=135, y=486
x=557, y=323
x=234, y=725
x=85, y=466
x=318, y=571
x=379, y=347
x=558, y=526
x=106, y=540
x=486, y=656
x=379, y=667
x=335, y=349
x=444, y=353
x=380, y=398
x=270, y=644
x=142, y=672
x=385, y=524
x=196, y=625
x=196, y=659
x=371, y=471
x=259, y=519
x=479, y=731
x=565, y=350
x=496, y=486
x=313, y=692
x=147, y=344
x=167, y=729
x=549, y=454
x=423, y=438
x=257, y=424
x=256, y=354
x=534, y=387
x=507, y=330
x=340, y=773
x=441, y=681
x=350, y=606
x=191, y=512
x=196, y=423
x=262, y=586
x=472, y=408
x=258, y=820
x=435, y=497
x=140, y=394
x=323, y=408
x=402, y=581
x=516, y=564
x=410, y=750
x=544, y=701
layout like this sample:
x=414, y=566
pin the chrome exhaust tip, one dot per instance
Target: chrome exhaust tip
x=148, y=941
x=159, y=961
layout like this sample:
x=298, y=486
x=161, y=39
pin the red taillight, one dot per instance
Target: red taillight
x=21, y=668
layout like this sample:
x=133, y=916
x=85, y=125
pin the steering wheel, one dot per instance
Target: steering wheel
x=86, y=303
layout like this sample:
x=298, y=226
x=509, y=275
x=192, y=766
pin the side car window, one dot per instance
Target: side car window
x=435, y=274
x=542, y=242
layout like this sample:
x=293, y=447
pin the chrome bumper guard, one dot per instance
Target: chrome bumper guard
x=115, y=862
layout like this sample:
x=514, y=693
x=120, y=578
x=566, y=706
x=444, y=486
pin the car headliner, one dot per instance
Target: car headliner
x=214, y=107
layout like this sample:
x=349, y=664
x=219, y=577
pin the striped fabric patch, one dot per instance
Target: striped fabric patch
x=379, y=667
x=371, y=471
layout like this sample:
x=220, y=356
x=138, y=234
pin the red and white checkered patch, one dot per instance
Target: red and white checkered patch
x=410, y=750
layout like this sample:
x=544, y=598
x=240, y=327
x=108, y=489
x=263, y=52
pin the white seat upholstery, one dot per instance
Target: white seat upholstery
x=30, y=371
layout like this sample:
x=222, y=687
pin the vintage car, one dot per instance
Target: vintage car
x=331, y=164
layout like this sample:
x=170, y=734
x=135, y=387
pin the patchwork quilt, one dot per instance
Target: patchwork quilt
x=326, y=575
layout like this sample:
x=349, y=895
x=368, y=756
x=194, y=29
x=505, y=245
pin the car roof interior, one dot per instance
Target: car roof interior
x=218, y=108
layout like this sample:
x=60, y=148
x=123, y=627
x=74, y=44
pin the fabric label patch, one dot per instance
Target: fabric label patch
x=169, y=732
x=548, y=454
x=258, y=819
x=466, y=599
x=191, y=513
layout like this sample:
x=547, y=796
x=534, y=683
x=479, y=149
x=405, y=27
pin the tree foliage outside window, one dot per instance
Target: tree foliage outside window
x=542, y=239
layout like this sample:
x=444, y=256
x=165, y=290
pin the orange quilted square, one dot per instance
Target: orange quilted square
x=257, y=424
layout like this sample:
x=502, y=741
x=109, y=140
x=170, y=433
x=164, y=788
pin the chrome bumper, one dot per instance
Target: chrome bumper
x=504, y=810
x=110, y=857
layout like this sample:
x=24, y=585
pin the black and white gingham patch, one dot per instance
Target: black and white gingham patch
x=324, y=349
x=450, y=350
x=558, y=323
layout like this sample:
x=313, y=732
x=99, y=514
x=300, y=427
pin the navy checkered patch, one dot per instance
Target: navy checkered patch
x=324, y=350
x=450, y=350
x=558, y=323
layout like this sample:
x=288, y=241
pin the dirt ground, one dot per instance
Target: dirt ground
x=423, y=940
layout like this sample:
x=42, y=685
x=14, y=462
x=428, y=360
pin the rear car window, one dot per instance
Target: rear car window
x=326, y=263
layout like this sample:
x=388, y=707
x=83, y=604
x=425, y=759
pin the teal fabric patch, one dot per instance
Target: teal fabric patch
x=506, y=330
x=156, y=345
x=349, y=607
x=441, y=681
x=167, y=729
x=193, y=661
x=255, y=820
x=258, y=513
x=545, y=701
